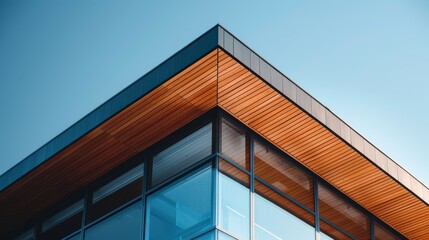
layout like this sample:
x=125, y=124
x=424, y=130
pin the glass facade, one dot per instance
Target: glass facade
x=215, y=179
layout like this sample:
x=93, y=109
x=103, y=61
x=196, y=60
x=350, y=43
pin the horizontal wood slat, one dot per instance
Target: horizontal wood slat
x=263, y=109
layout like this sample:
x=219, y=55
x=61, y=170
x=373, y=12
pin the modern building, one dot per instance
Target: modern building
x=214, y=143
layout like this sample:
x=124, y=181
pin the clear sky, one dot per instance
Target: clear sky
x=368, y=61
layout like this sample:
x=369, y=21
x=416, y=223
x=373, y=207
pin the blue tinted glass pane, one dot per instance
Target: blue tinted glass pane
x=125, y=224
x=273, y=222
x=234, y=207
x=208, y=236
x=325, y=237
x=75, y=237
x=182, y=154
x=183, y=210
x=224, y=236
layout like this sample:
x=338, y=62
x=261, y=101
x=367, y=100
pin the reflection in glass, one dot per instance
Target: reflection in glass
x=63, y=223
x=116, y=193
x=283, y=202
x=182, y=154
x=27, y=235
x=74, y=237
x=213, y=235
x=341, y=213
x=233, y=172
x=234, y=143
x=283, y=175
x=273, y=223
x=234, y=207
x=329, y=232
x=182, y=210
x=125, y=224
x=383, y=234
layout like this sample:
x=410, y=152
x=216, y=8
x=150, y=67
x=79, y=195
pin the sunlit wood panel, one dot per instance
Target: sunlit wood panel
x=266, y=111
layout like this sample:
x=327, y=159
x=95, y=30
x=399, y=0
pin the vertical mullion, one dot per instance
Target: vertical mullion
x=86, y=202
x=252, y=184
x=216, y=148
x=316, y=208
x=144, y=190
x=145, y=186
x=38, y=230
x=372, y=228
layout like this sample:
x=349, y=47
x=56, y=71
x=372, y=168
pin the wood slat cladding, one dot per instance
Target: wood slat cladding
x=267, y=112
x=170, y=106
x=218, y=79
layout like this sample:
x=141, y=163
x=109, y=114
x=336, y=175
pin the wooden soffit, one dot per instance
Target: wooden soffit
x=268, y=112
x=165, y=109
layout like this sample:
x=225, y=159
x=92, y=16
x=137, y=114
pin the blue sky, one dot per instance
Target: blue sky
x=368, y=61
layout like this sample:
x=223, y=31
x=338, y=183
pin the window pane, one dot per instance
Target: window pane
x=182, y=210
x=283, y=175
x=233, y=172
x=329, y=232
x=207, y=236
x=125, y=224
x=284, y=203
x=273, y=222
x=383, y=234
x=215, y=234
x=27, y=235
x=74, y=237
x=234, y=143
x=182, y=154
x=116, y=193
x=234, y=207
x=63, y=223
x=340, y=212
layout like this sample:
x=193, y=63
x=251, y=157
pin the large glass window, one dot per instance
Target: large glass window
x=234, y=208
x=234, y=143
x=27, y=235
x=274, y=223
x=283, y=175
x=116, y=192
x=64, y=222
x=182, y=154
x=182, y=210
x=343, y=214
x=125, y=224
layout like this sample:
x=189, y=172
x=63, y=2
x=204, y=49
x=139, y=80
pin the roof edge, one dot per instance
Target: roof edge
x=189, y=54
x=320, y=112
x=215, y=37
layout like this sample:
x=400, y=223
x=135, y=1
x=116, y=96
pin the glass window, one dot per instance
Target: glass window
x=343, y=214
x=27, y=235
x=233, y=172
x=284, y=203
x=283, y=175
x=116, y=193
x=215, y=234
x=234, y=207
x=234, y=143
x=383, y=234
x=182, y=154
x=182, y=210
x=74, y=237
x=328, y=232
x=125, y=224
x=63, y=223
x=273, y=222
